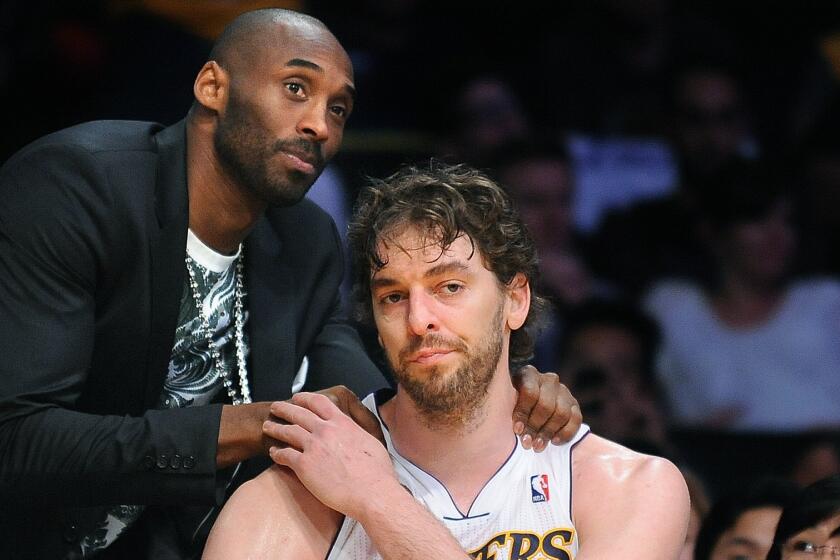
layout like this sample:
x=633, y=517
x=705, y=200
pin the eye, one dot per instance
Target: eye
x=295, y=89
x=391, y=298
x=339, y=111
x=803, y=546
x=452, y=288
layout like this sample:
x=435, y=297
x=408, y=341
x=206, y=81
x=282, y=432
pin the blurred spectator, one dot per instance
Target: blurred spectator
x=699, y=509
x=659, y=237
x=741, y=524
x=538, y=176
x=819, y=458
x=710, y=121
x=488, y=115
x=753, y=349
x=540, y=181
x=604, y=65
x=810, y=524
x=819, y=173
x=607, y=356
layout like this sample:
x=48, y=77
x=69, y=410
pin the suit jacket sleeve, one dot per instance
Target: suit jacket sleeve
x=56, y=231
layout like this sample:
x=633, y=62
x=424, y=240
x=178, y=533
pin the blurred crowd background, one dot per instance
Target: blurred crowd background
x=678, y=165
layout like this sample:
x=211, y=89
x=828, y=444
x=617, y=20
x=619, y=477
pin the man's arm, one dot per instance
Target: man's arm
x=626, y=505
x=342, y=465
x=58, y=225
x=274, y=513
x=270, y=515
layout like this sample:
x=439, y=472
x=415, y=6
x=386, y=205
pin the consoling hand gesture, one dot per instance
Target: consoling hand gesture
x=545, y=411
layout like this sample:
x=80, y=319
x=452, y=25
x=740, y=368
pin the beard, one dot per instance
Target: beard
x=452, y=400
x=246, y=151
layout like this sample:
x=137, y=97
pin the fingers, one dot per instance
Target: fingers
x=290, y=434
x=320, y=404
x=544, y=410
x=286, y=456
x=526, y=381
x=570, y=416
x=341, y=396
x=308, y=410
x=348, y=403
x=568, y=431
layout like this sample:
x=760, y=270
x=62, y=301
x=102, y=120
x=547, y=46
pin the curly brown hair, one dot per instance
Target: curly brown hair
x=447, y=201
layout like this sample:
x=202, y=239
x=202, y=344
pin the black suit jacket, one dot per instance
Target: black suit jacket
x=93, y=223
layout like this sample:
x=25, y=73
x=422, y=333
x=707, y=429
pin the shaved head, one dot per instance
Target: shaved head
x=248, y=37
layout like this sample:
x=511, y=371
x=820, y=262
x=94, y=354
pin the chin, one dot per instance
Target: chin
x=286, y=194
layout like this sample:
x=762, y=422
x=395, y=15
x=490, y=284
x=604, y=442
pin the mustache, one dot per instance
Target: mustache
x=433, y=340
x=300, y=145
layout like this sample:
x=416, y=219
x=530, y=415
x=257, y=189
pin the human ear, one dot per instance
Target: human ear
x=211, y=86
x=519, y=301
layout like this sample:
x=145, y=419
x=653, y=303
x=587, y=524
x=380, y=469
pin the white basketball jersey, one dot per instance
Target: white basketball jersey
x=523, y=512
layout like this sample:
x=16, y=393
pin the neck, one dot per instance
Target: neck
x=742, y=302
x=222, y=213
x=484, y=443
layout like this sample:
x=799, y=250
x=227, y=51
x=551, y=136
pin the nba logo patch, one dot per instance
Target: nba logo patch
x=539, y=488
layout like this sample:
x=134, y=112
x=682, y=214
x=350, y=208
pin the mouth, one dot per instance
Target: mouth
x=430, y=355
x=301, y=162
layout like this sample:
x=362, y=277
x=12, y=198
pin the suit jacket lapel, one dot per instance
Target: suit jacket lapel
x=270, y=286
x=167, y=246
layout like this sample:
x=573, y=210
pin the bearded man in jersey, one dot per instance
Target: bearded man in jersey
x=445, y=269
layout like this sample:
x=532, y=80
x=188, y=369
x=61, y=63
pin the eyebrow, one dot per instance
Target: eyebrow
x=744, y=541
x=303, y=63
x=437, y=270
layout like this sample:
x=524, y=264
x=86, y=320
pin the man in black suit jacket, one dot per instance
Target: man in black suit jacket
x=116, y=370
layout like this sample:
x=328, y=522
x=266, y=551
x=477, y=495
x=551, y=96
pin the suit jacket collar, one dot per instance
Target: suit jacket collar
x=167, y=246
x=271, y=311
x=269, y=283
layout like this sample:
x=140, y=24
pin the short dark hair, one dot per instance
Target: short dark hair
x=447, y=201
x=742, y=191
x=763, y=492
x=620, y=314
x=813, y=504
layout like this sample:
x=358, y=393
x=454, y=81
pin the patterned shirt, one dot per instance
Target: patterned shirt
x=192, y=378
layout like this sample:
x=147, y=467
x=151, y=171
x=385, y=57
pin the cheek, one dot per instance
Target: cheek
x=334, y=143
x=388, y=331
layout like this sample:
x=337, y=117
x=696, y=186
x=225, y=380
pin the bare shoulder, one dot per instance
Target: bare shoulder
x=627, y=504
x=598, y=461
x=270, y=513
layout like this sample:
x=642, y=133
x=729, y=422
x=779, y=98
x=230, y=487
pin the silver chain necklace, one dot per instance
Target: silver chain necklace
x=244, y=395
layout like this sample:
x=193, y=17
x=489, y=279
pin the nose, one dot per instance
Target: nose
x=421, y=316
x=313, y=122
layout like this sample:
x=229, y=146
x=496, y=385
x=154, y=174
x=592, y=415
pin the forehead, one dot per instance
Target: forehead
x=286, y=43
x=414, y=247
x=826, y=529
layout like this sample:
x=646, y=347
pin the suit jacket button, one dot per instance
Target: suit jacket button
x=147, y=463
x=163, y=461
x=189, y=462
x=175, y=462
